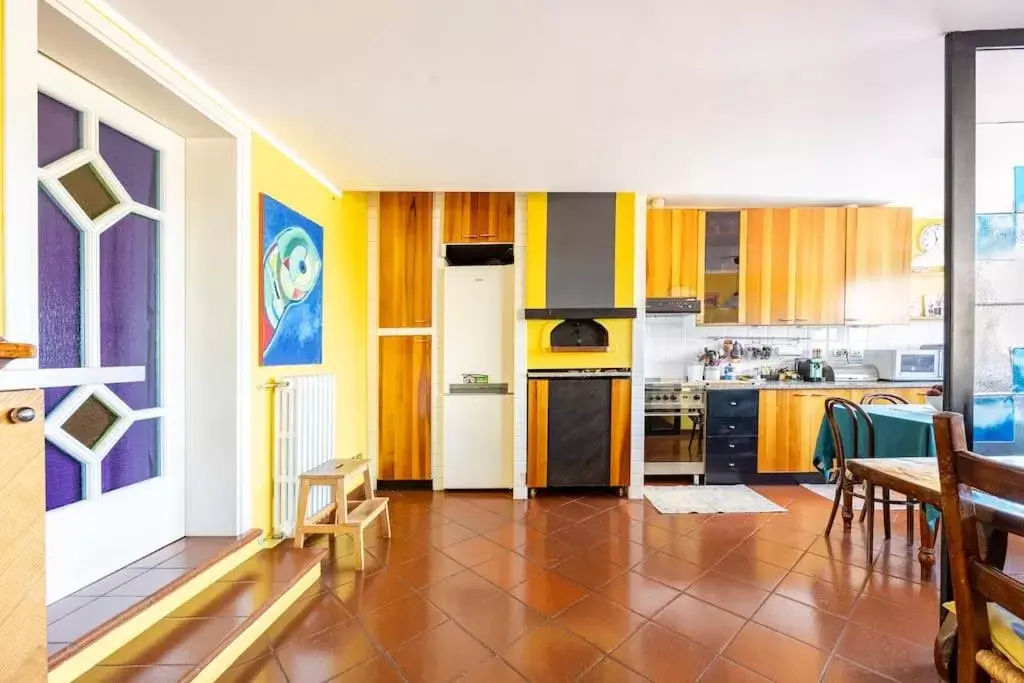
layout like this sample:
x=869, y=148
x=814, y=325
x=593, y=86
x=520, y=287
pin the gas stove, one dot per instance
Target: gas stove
x=673, y=397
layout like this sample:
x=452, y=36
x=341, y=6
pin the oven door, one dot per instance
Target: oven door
x=912, y=365
x=673, y=438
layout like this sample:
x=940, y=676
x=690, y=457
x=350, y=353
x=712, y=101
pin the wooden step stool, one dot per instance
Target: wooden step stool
x=341, y=515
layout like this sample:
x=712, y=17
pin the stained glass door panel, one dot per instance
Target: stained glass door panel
x=110, y=279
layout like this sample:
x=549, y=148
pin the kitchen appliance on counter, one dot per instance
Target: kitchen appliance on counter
x=477, y=373
x=941, y=348
x=803, y=368
x=907, y=365
x=674, y=428
x=855, y=373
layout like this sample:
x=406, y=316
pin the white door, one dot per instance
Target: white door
x=110, y=299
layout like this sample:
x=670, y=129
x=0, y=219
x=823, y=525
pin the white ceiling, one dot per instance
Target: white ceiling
x=741, y=100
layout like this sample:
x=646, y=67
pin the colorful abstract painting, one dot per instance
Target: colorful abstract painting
x=999, y=236
x=993, y=419
x=291, y=286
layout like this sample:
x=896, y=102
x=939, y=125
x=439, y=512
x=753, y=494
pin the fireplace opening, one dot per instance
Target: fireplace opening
x=579, y=335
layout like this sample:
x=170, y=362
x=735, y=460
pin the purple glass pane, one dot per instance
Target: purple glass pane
x=60, y=291
x=129, y=318
x=63, y=473
x=135, y=458
x=60, y=129
x=135, y=164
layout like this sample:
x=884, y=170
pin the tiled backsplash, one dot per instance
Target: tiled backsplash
x=673, y=343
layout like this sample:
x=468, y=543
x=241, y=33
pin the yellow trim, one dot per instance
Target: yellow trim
x=536, y=249
x=82, y=662
x=741, y=304
x=3, y=203
x=229, y=655
x=625, y=236
x=539, y=355
x=701, y=260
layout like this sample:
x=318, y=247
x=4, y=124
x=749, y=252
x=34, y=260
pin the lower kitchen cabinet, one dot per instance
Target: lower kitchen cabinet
x=788, y=428
x=730, y=456
x=578, y=432
x=405, y=411
x=909, y=394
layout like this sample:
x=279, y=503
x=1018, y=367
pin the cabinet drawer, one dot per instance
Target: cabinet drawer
x=732, y=403
x=745, y=464
x=728, y=445
x=732, y=426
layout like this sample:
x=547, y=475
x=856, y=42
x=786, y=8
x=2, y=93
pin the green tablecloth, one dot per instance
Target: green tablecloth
x=900, y=432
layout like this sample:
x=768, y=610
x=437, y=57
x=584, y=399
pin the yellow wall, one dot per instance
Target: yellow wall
x=345, y=245
x=924, y=284
x=2, y=205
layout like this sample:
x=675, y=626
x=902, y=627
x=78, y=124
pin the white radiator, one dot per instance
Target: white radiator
x=303, y=439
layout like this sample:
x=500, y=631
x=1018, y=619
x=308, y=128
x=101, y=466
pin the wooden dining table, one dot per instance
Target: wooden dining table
x=918, y=478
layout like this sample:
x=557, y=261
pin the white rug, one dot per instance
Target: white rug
x=670, y=500
x=829, y=491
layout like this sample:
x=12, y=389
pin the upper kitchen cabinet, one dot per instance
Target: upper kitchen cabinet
x=820, y=235
x=770, y=267
x=404, y=237
x=675, y=241
x=475, y=217
x=723, y=237
x=878, y=244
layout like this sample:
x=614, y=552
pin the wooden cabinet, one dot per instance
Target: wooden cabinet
x=475, y=217
x=819, y=288
x=724, y=237
x=575, y=427
x=22, y=561
x=675, y=266
x=770, y=267
x=404, y=253
x=794, y=266
x=911, y=394
x=788, y=427
x=405, y=413
x=878, y=251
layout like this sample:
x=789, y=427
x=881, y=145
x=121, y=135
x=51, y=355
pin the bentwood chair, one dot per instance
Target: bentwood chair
x=861, y=444
x=875, y=399
x=989, y=604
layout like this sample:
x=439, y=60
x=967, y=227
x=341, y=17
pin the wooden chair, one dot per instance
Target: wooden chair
x=875, y=399
x=845, y=482
x=985, y=597
x=341, y=515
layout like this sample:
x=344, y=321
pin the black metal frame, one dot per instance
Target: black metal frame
x=960, y=138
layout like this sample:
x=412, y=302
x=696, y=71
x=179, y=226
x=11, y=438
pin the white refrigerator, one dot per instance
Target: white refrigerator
x=477, y=339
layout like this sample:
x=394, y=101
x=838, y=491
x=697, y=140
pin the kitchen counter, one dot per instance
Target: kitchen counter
x=881, y=386
x=577, y=374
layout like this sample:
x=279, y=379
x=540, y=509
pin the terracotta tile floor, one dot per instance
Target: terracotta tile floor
x=478, y=587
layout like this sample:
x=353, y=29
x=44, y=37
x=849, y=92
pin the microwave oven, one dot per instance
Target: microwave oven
x=906, y=365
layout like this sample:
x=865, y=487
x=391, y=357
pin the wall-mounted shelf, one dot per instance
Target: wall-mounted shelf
x=11, y=351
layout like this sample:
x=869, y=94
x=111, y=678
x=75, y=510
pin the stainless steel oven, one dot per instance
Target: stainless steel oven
x=673, y=428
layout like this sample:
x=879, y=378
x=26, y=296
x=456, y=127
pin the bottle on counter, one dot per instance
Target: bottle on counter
x=816, y=371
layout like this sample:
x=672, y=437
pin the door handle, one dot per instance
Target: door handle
x=22, y=415
x=732, y=426
x=732, y=403
x=732, y=445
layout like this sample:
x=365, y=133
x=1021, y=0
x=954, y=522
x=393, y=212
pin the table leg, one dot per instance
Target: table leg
x=869, y=505
x=847, y=504
x=926, y=553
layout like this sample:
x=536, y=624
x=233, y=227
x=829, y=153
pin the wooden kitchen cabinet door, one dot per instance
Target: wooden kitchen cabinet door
x=405, y=413
x=23, y=505
x=878, y=252
x=475, y=217
x=770, y=267
x=537, y=433
x=819, y=284
x=773, y=430
x=621, y=428
x=405, y=237
x=675, y=247
x=788, y=424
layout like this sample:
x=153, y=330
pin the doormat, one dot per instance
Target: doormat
x=829, y=491
x=671, y=500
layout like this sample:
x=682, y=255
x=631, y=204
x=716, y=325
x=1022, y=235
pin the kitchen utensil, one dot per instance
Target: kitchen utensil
x=737, y=350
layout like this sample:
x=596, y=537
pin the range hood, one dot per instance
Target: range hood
x=684, y=305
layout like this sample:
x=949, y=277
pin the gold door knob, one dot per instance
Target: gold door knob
x=22, y=415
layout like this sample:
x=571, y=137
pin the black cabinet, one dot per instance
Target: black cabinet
x=731, y=449
x=579, y=432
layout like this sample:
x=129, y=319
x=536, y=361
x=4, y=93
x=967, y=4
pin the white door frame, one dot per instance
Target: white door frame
x=20, y=82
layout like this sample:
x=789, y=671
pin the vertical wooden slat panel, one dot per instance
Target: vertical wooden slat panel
x=878, y=252
x=475, y=217
x=404, y=408
x=22, y=560
x=537, y=434
x=820, y=265
x=674, y=252
x=621, y=414
x=405, y=238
